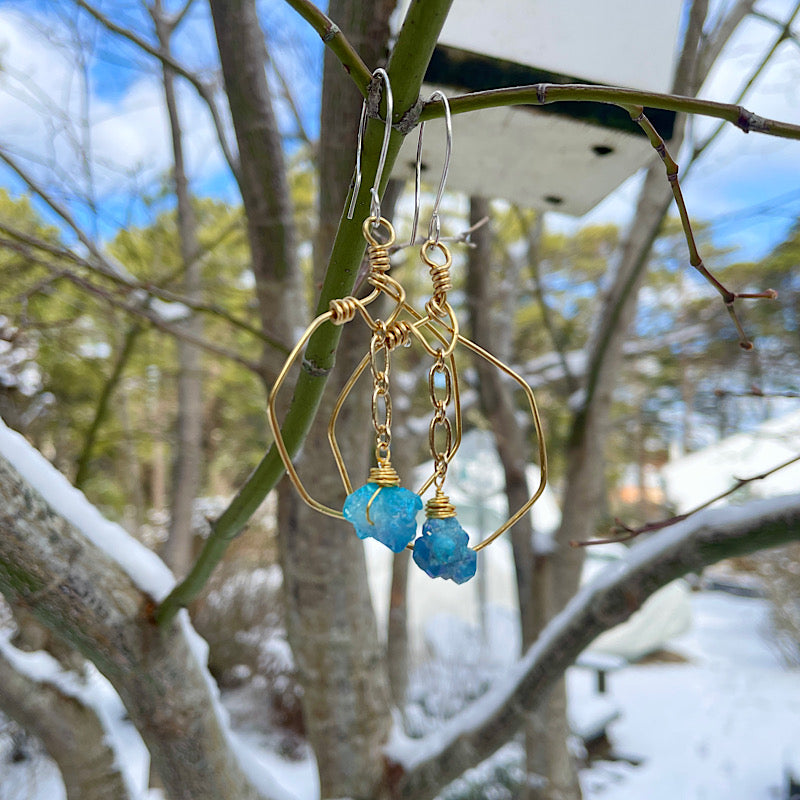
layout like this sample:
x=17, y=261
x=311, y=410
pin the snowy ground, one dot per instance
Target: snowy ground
x=725, y=724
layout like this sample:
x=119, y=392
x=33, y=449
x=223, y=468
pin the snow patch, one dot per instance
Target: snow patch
x=130, y=754
x=143, y=566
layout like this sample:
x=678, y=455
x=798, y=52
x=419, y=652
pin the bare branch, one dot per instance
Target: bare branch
x=106, y=270
x=180, y=15
x=713, y=43
x=755, y=391
x=728, y=297
x=623, y=533
x=293, y=107
x=54, y=709
x=782, y=36
x=422, y=767
x=137, y=309
x=204, y=91
x=59, y=572
x=336, y=41
x=539, y=94
x=533, y=235
x=465, y=237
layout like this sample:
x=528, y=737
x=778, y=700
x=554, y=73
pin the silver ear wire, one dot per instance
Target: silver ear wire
x=434, y=227
x=375, y=203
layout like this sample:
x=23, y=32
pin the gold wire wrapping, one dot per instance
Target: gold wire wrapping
x=440, y=273
x=439, y=506
x=343, y=310
x=384, y=475
x=439, y=325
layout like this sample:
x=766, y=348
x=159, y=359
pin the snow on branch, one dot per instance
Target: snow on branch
x=144, y=567
x=95, y=587
x=420, y=768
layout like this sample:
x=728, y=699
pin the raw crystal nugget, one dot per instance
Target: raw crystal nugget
x=393, y=513
x=442, y=551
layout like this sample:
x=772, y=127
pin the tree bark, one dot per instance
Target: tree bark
x=546, y=754
x=72, y=587
x=262, y=174
x=331, y=621
x=70, y=730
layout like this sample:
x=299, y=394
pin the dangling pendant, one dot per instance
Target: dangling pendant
x=443, y=550
x=384, y=510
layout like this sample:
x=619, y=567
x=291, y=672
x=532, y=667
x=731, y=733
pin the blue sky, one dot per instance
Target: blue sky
x=747, y=186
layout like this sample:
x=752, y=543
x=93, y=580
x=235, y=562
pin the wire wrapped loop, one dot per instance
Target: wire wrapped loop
x=440, y=276
x=397, y=334
x=343, y=310
x=384, y=475
x=439, y=506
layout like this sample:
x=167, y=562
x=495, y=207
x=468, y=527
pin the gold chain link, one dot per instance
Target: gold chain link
x=439, y=420
x=380, y=392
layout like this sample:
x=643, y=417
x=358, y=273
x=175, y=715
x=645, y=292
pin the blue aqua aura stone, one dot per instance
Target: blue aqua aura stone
x=443, y=552
x=393, y=513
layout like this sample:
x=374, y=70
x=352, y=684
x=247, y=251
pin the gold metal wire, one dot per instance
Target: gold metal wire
x=441, y=324
x=343, y=310
x=439, y=506
x=384, y=475
x=449, y=342
x=537, y=423
x=340, y=312
x=272, y=417
x=440, y=273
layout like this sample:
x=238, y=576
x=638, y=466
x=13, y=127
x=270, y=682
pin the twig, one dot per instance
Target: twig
x=783, y=35
x=624, y=533
x=460, y=238
x=336, y=41
x=290, y=101
x=533, y=234
x=136, y=309
x=728, y=297
x=755, y=391
x=131, y=284
x=101, y=409
x=201, y=88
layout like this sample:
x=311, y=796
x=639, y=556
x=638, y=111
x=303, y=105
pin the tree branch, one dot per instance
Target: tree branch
x=422, y=767
x=782, y=36
x=540, y=94
x=533, y=235
x=98, y=601
x=106, y=270
x=137, y=309
x=101, y=409
x=333, y=38
x=54, y=709
x=623, y=533
x=728, y=297
x=205, y=93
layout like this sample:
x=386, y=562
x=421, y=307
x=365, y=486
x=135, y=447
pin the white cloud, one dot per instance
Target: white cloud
x=40, y=118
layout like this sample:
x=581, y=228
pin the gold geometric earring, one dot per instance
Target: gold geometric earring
x=381, y=508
